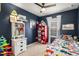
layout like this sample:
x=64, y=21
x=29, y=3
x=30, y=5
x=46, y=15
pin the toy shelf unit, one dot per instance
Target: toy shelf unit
x=42, y=32
x=19, y=41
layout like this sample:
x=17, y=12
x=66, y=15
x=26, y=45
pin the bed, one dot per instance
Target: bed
x=60, y=48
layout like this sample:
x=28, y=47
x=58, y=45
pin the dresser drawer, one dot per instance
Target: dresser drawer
x=19, y=49
x=18, y=42
x=17, y=52
x=21, y=42
x=19, y=46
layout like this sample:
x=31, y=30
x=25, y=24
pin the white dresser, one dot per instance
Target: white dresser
x=19, y=45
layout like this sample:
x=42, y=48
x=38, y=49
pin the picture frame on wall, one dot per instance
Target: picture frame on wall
x=32, y=23
x=68, y=27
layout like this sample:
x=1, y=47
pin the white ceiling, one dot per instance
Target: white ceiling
x=35, y=9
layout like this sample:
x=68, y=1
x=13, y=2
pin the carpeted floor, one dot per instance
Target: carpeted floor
x=35, y=49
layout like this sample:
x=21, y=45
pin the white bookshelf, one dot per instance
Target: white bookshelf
x=19, y=41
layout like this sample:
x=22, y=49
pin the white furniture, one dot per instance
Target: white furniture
x=54, y=27
x=19, y=41
x=19, y=45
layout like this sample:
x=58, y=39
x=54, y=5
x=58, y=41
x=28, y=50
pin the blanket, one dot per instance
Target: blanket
x=61, y=47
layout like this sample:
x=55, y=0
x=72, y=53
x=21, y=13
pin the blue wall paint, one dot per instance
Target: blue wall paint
x=68, y=17
x=78, y=21
x=5, y=25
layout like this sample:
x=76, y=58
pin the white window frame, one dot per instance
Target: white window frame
x=58, y=20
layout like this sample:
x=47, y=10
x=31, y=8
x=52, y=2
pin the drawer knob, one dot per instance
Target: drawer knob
x=21, y=46
x=21, y=49
x=21, y=42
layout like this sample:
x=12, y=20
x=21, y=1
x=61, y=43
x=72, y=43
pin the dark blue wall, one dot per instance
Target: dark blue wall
x=5, y=25
x=78, y=21
x=68, y=17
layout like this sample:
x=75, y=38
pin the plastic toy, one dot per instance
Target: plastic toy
x=5, y=48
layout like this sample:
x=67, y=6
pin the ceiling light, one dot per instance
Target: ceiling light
x=43, y=9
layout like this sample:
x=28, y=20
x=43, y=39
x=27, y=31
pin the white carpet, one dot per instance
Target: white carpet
x=35, y=49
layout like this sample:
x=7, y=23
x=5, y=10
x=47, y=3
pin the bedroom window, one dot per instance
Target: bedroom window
x=54, y=27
